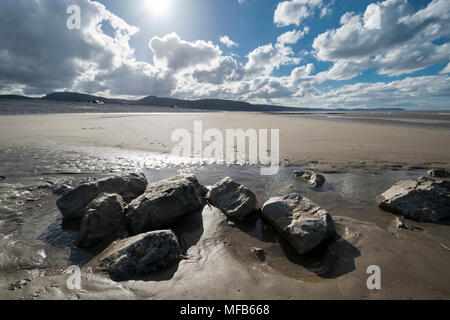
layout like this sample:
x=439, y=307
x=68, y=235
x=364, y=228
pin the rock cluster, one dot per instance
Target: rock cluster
x=137, y=215
x=74, y=202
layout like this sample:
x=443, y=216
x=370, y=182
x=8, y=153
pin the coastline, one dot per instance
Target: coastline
x=46, y=150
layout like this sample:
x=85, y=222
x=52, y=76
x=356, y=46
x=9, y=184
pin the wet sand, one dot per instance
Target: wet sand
x=321, y=144
x=41, y=152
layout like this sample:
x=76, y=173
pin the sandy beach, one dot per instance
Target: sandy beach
x=321, y=144
x=359, y=161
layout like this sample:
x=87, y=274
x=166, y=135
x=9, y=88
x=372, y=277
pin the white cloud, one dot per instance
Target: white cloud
x=228, y=42
x=404, y=43
x=294, y=11
x=266, y=58
x=175, y=54
x=446, y=69
x=291, y=37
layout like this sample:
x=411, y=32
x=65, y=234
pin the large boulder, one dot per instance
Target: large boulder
x=164, y=202
x=104, y=220
x=234, y=199
x=138, y=255
x=439, y=173
x=74, y=202
x=424, y=199
x=299, y=221
x=312, y=178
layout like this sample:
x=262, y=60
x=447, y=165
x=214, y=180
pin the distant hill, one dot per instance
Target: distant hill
x=80, y=97
x=14, y=97
x=203, y=104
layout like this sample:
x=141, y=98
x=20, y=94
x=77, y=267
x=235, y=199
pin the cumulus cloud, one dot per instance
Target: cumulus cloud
x=176, y=54
x=228, y=42
x=295, y=11
x=39, y=54
x=446, y=69
x=402, y=44
x=291, y=37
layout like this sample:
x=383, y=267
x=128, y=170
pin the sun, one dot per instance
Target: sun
x=158, y=7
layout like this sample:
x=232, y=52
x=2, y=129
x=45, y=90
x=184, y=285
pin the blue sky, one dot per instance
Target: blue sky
x=331, y=53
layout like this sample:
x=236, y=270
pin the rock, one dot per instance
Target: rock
x=424, y=199
x=400, y=224
x=62, y=189
x=73, y=203
x=260, y=254
x=2, y=178
x=18, y=284
x=299, y=221
x=439, y=173
x=164, y=202
x=234, y=199
x=314, y=179
x=138, y=255
x=103, y=220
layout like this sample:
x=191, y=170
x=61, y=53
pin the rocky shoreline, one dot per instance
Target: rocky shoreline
x=128, y=220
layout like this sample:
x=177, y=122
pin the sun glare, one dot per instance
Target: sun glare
x=158, y=7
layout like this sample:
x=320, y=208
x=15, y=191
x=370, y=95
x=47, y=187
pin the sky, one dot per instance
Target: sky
x=302, y=53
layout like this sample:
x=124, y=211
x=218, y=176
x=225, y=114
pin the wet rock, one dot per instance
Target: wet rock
x=314, y=179
x=62, y=189
x=400, y=224
x=138, y=255
x=439, y=173
x=164, y=202
x=73, y=203
x=104, y=220
x=18, y=284
x=299, y=220
x=424, y=199
x=234, y=199
x=260, y=254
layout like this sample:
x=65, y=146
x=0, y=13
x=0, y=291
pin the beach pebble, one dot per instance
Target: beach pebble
x=299, y=221
x=103, y=220
x=424, y=199
x=138, y=255
x=400, y=224
x=164, y=202
x=260, y=254
x=74, y=202
x=314, y=179
x=234, y=199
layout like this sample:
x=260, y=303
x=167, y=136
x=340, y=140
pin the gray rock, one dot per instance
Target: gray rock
x=314, y=179
x=73, y=203
x=138, y=255
x=424, y=199
x=299, y=221
x=104, y=220
x=439, y=173
x=260, y=254
x=164, y=202
x=400, y=224
x=62, y=189
x=234, y=199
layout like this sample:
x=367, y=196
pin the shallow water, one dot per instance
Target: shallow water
x=30, y=223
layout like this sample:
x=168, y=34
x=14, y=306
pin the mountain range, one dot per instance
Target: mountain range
x=202, y=104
